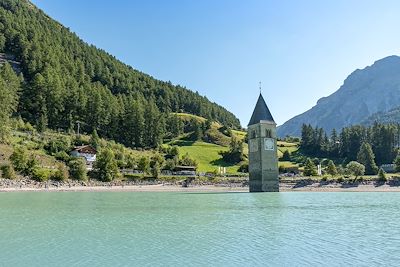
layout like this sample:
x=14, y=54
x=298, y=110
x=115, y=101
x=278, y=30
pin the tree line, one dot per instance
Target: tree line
x=355, y=143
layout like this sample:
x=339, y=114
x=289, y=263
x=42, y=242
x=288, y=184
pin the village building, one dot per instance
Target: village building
x=87, y=152
x=185, y=170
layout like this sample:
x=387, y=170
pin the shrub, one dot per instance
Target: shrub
x=61, y=174
x=19, y=159
x=355, y=168
x=244, y=167
x=382, y=175
x=58, y=145
x=7, y=171
x=62, y=155
x=155, y=170
x=331, y=168
x=40, y=175
x=77, y=169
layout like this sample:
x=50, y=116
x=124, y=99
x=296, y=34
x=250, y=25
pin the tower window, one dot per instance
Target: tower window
x=268, y=133
x=253, y=134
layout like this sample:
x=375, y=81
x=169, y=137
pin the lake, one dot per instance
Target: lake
x=199, y=229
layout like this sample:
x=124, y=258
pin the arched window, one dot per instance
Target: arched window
x=253, y=134
x=268, y=133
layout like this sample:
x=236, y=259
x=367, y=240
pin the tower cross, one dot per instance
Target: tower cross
x=259, y=84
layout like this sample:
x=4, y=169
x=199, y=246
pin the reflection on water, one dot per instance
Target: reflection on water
x=275, y=229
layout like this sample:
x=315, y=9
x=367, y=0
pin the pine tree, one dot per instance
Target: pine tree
x=10, y=86
x=366, y=157
x=309, y=168
x=286, y=155
x=94, y=139
x=331, y=168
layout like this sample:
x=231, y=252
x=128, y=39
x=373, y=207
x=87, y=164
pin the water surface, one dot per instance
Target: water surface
x=193, y=229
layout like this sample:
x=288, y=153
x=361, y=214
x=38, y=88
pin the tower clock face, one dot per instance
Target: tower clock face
x=269, y=144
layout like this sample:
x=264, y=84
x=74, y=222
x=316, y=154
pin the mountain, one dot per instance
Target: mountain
x=391, y=116
x=67, y=80
x=373, y=89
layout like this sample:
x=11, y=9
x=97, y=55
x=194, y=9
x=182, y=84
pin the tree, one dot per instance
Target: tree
x=309, y=168
x=155, y=170
x=356, y=168
x=77, y=169
x=94, y=139
x=10, y=86
x=382, y=175
x=61, y=173
x=235, y=153
x=331, y=168
x=187, y=161
x=144, y=165
x=7, y=171
x=19, y=159
x=286, y=155
x=397, y=163
x=106, y=165
x=197, y=130
x=366, y=157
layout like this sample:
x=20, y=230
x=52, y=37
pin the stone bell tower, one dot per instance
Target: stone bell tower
x=263, y=158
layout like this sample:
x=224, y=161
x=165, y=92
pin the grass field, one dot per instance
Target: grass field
x=206, y=155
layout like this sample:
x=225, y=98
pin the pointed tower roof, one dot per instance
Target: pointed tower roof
x=261, y=112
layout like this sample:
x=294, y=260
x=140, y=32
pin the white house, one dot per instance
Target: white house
x=87, y=152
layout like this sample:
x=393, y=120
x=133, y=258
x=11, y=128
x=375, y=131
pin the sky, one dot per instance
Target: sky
x=299, y=50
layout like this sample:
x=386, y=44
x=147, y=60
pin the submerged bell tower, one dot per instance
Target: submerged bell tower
x=263, y=157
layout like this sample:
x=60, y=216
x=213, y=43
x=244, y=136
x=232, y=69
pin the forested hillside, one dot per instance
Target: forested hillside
x=66, y=81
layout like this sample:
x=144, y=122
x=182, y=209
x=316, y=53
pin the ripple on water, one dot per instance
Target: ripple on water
x=147, y=229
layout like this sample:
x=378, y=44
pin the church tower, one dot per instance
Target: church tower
x=263, y=158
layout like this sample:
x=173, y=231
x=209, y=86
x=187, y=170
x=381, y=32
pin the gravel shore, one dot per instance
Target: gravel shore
x=159, y=186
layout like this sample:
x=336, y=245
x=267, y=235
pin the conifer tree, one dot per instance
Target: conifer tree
x=366, y=157
x=396, y=163
x=331, y=168
x=309, y=168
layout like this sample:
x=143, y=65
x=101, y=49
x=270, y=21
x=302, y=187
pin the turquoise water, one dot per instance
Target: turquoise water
x=193, y=229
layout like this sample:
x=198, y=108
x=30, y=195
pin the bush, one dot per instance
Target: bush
x=7, y=171
x=19, y=159
x=58, y=145
x=62, y=155
x=77, y=169
x=244, y=167
x=355, y=168
x=382, y=175
x=61, y=174
x=40, y=175
x=331, y=168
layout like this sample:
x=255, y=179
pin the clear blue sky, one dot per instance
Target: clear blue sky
x=300, y=50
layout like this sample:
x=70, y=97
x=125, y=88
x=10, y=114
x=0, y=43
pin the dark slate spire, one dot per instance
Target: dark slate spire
x=261, y=112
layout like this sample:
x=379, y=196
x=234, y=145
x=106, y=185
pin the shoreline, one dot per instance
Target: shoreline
x=95, y=186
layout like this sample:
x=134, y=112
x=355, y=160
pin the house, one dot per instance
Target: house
x=388, y=168
x=185, y=170
x=87, y=152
